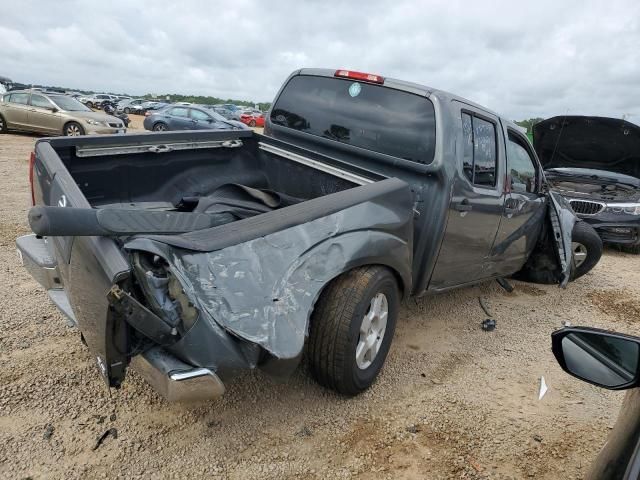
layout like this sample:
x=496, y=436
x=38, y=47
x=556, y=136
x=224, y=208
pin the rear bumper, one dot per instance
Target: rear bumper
x=38, y=260
x=177, y=381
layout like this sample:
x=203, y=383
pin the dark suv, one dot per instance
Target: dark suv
x=594, y=162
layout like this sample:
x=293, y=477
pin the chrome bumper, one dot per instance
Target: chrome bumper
x=42, y=266
x=177, y=381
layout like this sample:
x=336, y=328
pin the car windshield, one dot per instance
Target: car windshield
x=69, y=104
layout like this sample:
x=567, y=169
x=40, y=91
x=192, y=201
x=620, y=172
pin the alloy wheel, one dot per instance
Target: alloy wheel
x=372, y=328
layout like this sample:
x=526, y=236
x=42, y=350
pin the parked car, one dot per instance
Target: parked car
x=95, y=101
x=177, y=117
x=609, y=360
x=252, y=119
x=53, y=114
x=197, y=255
x=152, y=105
x=133, y=105
x=595, y=163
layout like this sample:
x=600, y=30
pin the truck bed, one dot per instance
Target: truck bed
x=240, y=293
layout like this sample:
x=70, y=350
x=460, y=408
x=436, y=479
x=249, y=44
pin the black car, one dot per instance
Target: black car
x=608, y=360
x=594, y=162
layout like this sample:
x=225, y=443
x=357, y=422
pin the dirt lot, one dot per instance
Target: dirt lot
x=452, y=402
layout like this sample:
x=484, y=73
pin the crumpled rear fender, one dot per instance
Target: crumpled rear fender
x=263, y=290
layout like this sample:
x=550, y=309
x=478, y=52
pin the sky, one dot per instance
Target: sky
x=523, y=59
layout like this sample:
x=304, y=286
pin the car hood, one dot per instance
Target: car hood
x=97, y=116
x=599, y=143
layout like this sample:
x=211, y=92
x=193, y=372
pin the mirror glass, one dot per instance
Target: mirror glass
x=601, y=359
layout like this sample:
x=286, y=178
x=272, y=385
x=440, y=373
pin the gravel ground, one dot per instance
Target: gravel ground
x=452, y=402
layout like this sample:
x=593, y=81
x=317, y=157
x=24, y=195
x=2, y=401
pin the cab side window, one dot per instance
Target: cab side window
x=199, y=115
x=520, y=165
x=21, y=98
x=40, y=102
x=479, y=150
x=179, y=112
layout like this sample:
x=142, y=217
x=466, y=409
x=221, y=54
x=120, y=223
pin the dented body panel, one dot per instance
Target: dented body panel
x=263, y=290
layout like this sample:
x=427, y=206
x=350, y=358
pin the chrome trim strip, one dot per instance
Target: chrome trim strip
x=352, y=177
x=84, y=152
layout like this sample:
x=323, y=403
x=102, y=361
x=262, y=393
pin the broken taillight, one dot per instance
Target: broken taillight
x=365, y=77
x=32, y=166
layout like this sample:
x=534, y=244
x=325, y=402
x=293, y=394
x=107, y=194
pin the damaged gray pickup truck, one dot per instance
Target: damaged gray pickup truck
x=193, y=256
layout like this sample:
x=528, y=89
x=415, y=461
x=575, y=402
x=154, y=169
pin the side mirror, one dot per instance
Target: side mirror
x=606, y=359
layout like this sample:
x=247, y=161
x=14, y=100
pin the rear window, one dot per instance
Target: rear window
x=368, y=116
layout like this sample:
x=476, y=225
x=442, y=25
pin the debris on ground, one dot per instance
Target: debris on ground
x=48, y=431
x=537, y=438
x=412, y=429
x=543, y=388
x=489, y=325
x=112, y=431
x=304, y=432
x=504, y=283
x=483, y=305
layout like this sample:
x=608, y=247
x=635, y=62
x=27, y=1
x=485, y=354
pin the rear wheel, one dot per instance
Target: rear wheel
x=3, y=125
x=73, y=129
x=89, y=104
x=352, y=326
x=252, y=123
x=127, y=110
x=160, y=127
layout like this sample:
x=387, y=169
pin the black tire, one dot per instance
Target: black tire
x=127, y=110
x=585, y=235
x=252, y=123
x=335, y=328
x=72, y=129
x=89, y=104
x=3, y=125
x=160, y=127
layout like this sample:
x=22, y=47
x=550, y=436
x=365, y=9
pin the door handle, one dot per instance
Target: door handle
x=463, y=206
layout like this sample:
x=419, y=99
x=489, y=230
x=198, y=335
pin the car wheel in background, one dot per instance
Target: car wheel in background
x=351, y=329
x=586, y=247
x=252, y=123
x=3, y=125
x=160, y=127
x=89, y=104
x=127, y=110
x=73, y=129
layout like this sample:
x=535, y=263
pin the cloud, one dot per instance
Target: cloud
x=521, y=59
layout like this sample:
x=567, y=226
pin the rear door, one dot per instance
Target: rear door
x=179, y=119
x=42, y=117
x=524, y=210
x=477, y=200
x=16, y=111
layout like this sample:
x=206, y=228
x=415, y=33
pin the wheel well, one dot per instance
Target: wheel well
x=69, y=122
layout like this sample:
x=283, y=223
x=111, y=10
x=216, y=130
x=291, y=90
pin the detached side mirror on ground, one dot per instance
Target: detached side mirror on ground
x=608, y=360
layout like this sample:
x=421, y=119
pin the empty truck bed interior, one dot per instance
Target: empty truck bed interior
x=147, y=178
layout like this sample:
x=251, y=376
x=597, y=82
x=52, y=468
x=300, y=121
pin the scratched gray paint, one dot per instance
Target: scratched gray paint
x=263, y=290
